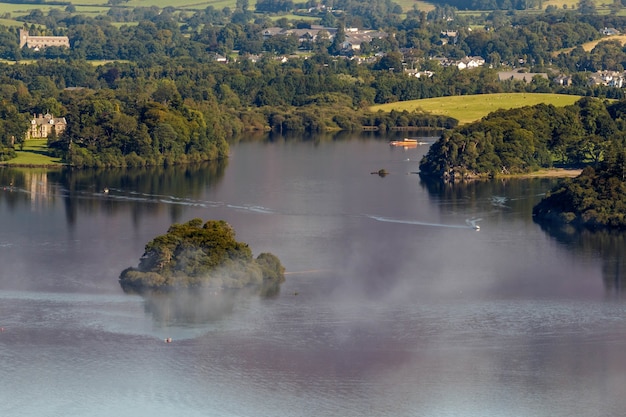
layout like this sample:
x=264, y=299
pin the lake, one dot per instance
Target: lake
x=393, y=305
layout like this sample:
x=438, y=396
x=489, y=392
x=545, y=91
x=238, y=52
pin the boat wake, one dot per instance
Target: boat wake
x=469, y=225
x=116, y=194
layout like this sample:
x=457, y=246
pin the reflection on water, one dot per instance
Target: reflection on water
x=191, y=306
x=501, y=194
x=394, y=306
x=609, y=246
x=183, y=308
x=148, y=186
x=514, y=195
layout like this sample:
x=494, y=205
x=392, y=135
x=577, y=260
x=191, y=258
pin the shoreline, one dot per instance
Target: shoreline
x=23, y=165
x=547, y=173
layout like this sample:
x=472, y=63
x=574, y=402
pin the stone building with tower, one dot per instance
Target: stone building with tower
x=40, y=42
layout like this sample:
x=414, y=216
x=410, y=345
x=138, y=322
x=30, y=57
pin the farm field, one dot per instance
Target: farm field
x=570, y=4
x=188, y=4
x=95, y=7
x=467, y=109
x=419, y=4
x=590, y=45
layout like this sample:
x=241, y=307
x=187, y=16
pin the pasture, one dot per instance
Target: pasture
x=467, y=109
x=94, y=7
x=34, y=153
x=588, y=46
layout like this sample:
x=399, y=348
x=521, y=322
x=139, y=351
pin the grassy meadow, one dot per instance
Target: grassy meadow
x=590, y=45
x=34, y=153
x=97, y=7
x=569, y=4
x=467, y=109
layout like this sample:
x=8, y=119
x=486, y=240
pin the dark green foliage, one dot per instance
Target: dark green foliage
x=194, y=254
x=169, y=102
x=595, y=199
x=522, y=140
x=7, y=153
x=273, y=6
x=13, y=125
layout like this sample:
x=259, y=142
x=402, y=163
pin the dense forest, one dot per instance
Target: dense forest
x=202, y=255
x=149, y=86
x=522, y=140
x=596, y=199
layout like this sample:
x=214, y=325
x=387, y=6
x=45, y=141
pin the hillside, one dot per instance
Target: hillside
x=467, y=109
x=523, y=140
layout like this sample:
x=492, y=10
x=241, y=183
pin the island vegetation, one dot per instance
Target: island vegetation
x=523, y=140
x=596, y=199
x=197, y=255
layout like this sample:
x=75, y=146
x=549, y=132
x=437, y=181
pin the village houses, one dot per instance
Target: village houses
x=354, y=37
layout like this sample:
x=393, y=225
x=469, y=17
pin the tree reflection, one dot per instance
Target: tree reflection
x=520, y=196
x=511, y=194
x=91, y=190
x=196, y=306
x=609, y=245
x=182, y=308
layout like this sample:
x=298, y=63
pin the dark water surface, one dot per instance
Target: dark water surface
x=393, y=306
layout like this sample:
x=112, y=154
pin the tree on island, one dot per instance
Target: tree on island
x=596, y=199
x=197, y=255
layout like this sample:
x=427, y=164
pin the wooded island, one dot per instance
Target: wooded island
x=202, y=256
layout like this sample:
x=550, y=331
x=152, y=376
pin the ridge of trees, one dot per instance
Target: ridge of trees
x=596, y=199
x=522, y=140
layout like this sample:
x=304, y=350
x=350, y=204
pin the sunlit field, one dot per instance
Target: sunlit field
x=570, y=4
x=35, y=153
x=470, y=108
x=421, y=5
x=188, y=4
x=95, y=7
x=590, y=45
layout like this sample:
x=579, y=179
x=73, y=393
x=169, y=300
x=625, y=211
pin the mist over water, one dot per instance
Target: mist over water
x=394, y=304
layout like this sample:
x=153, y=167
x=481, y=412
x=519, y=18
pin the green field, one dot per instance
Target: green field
x=468, y=109
x=35, y=153
x=95, y=7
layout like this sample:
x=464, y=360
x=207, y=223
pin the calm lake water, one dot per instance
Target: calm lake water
x=393, y=305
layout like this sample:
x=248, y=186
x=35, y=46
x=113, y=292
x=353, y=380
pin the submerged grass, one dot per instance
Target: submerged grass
x=467, y=109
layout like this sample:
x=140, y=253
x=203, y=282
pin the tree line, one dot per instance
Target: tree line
x=522, y=140
x=168, y=32
x=164, y=99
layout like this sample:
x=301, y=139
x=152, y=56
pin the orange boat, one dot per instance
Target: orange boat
x=406, y=142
